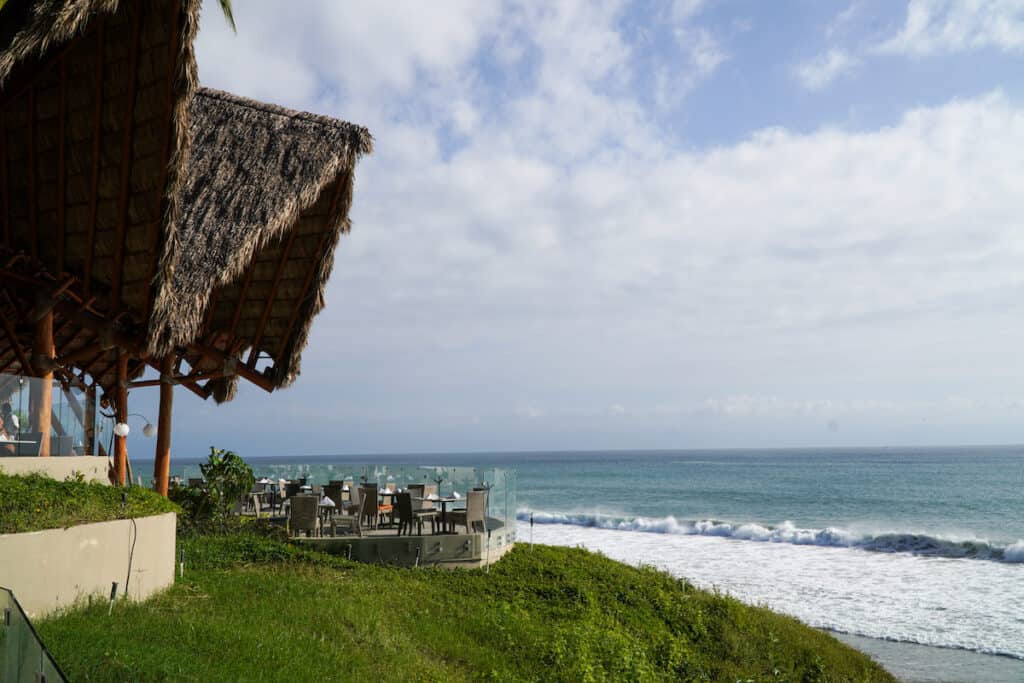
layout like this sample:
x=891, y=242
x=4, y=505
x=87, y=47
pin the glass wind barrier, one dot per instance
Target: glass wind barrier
x=72, y=418
x=23, y=657
x=446, y=481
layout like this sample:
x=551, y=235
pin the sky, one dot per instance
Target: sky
x=616, y=225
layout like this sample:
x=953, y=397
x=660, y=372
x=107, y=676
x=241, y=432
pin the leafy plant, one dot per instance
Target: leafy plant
x=210, y=507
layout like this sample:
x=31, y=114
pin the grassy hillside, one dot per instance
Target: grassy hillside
x=251, y=608
x=34, y=502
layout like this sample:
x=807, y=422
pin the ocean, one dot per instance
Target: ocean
x=880, y=545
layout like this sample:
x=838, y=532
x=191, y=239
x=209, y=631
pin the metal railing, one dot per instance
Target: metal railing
x=23, y=657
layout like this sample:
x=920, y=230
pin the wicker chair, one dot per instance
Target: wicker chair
x=304, y=515
x=474, y=516
x=348, y=519
x=408, y=514
x=370, y=507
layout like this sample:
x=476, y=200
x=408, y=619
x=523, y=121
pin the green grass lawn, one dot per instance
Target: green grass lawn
x=34, y=502
x=250, y=608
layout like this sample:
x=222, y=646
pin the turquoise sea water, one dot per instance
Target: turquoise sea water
x=922, y=545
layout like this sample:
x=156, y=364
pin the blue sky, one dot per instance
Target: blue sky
x=650, y=225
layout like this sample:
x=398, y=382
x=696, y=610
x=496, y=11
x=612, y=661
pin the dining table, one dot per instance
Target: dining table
x=444, y=501
x=325, y=508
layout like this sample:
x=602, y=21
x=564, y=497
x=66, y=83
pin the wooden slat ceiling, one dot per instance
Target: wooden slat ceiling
x=85, y=138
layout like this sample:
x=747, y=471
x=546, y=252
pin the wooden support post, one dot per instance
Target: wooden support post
x=121, y=415
x=41, y=390
x=89, y=423
x=162, y=462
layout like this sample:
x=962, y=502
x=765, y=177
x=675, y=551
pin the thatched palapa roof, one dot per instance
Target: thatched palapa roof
x=266, y=199
x=152, y=215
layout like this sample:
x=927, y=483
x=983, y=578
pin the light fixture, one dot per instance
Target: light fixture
x=148, y=430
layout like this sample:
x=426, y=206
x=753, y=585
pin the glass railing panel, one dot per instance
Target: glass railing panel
x=72, y=417
x=23, y=657
x=446, y=480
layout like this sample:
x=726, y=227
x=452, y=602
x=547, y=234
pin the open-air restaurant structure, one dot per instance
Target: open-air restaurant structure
x=395, y=514
x=156, y=233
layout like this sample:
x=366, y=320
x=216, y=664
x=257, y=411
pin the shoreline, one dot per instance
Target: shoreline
x=916, y=663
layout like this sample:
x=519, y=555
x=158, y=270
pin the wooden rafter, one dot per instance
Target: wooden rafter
x=232, y=365
x=314, y=265
x=172, y=66
x=96, y=139
x=178, y=379
x=16, y=86
x=61, y=193
x=9, y=364
x=12, y=339
x=32, y=230
x=3, y=179
x=191, y=386
x=126, y=163
x=241, y=300
x=81, y=354
x=254, y=353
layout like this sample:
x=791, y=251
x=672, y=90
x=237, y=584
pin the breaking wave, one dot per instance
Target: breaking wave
x=787, y=532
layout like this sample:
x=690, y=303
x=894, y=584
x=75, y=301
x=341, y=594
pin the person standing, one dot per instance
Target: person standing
x=11, y=421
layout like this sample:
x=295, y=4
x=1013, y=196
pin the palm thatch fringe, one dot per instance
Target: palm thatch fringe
x=253, y=170
x=50, y=23
x=186, y=81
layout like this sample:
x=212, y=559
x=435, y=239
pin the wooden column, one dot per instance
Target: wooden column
x=89, y=422
x=40, y=406
x=162, y=462
x=121, y=412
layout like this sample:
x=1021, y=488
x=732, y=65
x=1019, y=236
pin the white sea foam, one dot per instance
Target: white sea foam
x=936, y=601
x=786, y=532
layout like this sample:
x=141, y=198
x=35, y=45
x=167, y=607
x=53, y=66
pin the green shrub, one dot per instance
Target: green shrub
x=210, y=507
x=34, y=502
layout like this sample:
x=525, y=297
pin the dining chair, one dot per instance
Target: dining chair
x=333, y=491
x=403, y=504
x=474, y=516
x=371, y=508
x=304, y=515
x=31, y=443
x=421, y=512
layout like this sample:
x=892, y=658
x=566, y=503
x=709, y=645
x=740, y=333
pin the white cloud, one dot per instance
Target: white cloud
x=818, y=72
x=702, y=55
x=563, y=250
x=367, y=51
x=946, y=26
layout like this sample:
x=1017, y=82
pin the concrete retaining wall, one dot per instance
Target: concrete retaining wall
x=51, y=569
x=92, y=467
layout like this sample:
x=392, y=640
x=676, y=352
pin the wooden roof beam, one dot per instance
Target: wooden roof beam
x=33, y=235
x=314, y=264
x=25, y=78
x=172, y=66
x=96, y=140
x=233, y=366
x=61, y=162
x=12, y=339
x=3, y=179
x=254, y=352
x=241, y=299
x=126, y=163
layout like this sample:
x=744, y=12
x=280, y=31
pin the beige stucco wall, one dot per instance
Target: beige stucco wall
x=92, y=467
x=54, y=568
